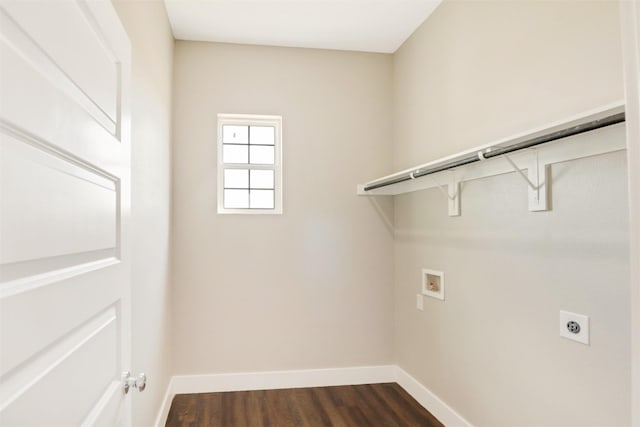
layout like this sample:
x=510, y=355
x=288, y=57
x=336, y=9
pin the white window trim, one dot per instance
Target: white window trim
x=255, y=120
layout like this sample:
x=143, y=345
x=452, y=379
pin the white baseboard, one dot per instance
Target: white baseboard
x=163, y=414
x=443, y=412
x=182, y=384
x=282, y=379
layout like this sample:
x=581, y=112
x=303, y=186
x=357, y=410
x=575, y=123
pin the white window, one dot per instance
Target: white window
x=249, y=164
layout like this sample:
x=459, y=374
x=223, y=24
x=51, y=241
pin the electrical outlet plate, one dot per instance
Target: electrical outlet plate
x=419, y=302
x=433, y=283
x=574, y=327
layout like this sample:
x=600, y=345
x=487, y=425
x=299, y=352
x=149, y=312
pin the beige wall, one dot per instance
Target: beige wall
x=475, y=72
x=148, y=28
x=310, y=288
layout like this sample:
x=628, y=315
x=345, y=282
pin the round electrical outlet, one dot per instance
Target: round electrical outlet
x=573, y=327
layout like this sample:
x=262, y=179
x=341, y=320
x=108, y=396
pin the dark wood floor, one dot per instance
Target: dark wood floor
x=370, y=405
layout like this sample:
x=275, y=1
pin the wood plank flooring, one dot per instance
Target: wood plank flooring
x=370, y=405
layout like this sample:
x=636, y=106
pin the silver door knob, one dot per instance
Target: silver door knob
x=129, y=381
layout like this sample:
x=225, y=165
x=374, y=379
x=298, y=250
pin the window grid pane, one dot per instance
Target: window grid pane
x=261, y=155
x=233, y=134
x=235, y=154
x=262, y=179
x=261, y=199
x=236, y=178
x=262, y=135
x=236, y=199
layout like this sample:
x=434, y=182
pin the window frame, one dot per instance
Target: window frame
x=251, y=120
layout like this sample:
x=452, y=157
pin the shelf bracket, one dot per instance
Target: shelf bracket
x=452, y=192
x=538, y=180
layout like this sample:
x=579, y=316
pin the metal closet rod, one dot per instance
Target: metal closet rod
x=498, y=151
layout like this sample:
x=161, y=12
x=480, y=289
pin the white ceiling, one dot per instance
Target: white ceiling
x=362, y=25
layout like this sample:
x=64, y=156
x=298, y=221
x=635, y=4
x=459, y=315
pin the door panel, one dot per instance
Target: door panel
x=64, y=209
x=47, y=106
x=48, y=185
x=88, y=353
x=46, y=314
x=74, y=36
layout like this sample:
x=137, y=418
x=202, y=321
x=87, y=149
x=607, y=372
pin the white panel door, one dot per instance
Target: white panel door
x=64, y=209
